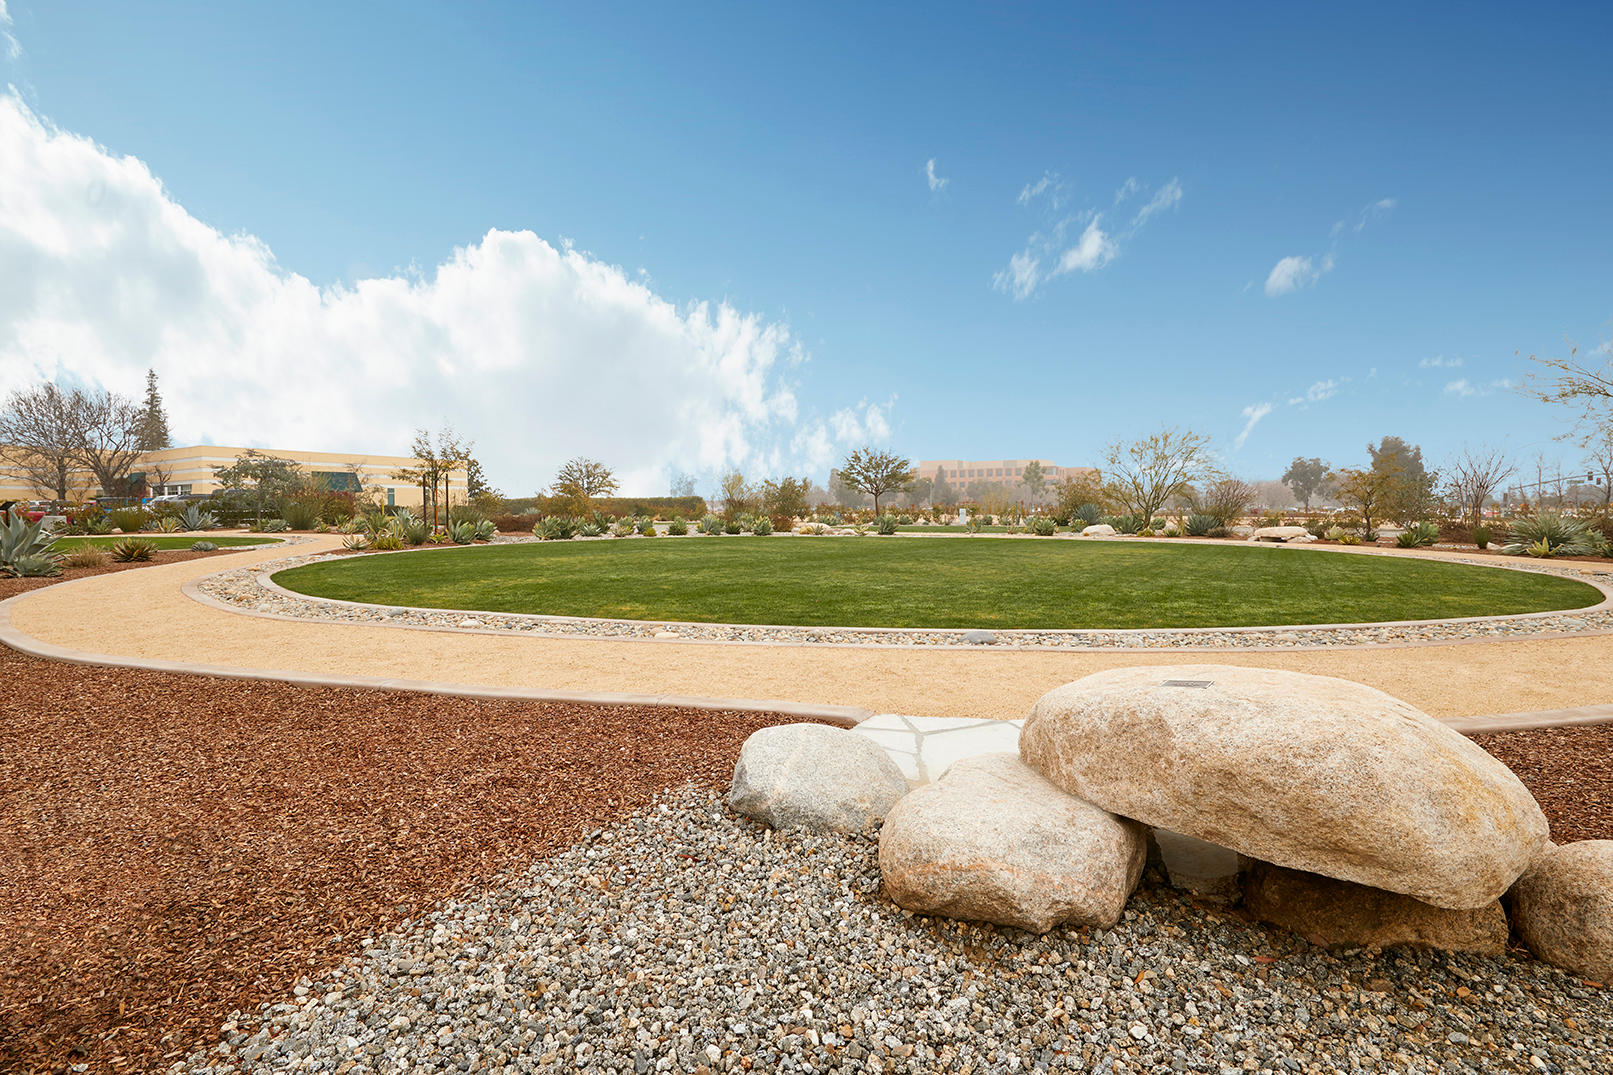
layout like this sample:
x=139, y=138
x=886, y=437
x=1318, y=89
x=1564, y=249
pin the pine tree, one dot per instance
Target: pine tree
x=154, y=435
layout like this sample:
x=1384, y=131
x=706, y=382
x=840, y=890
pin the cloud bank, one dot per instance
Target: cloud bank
x=1051, y=254
x=536, y=351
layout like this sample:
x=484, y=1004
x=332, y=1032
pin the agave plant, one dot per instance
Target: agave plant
x=169, y=524
x=555, y=528
x=1552, y=534
x=677, y=528
x=26, y=546
x=1418, y=535
x=590, y=529
x=764, y=527
x=463, y=533
x=203, y=546
x=355, y=541
x=98, y=523
x=886, y=525
x=387, y=541
x=132, y=551
x=196, y=517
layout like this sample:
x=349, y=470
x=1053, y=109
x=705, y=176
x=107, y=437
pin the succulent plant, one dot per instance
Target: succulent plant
x=20, y=538
x=195, y=517
x=203, y=546
x=1042, y=526
x=132, y=551
x=886, y=525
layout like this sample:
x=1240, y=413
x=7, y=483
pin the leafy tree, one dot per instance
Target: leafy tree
x=1143, y=474
x=434, y=471
x=580, y=480
x=260, y=479
x=1367, y=491
x=1306, y=479
x=918, y=491
x=876, y=473
x=1407, y=486
x=1035, y=479
x=941, y=492
x=786, y=496
x=154, y=435
x=477, y=487
x=738, y=496
x=1074, y=491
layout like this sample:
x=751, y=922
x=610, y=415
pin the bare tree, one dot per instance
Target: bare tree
x=107, y=428
x=1577, y=382
x=38, y=439
x=1143, y=474
x=1473, y=477
x=1599, y=462
x=1225, y=500
x=876, y=473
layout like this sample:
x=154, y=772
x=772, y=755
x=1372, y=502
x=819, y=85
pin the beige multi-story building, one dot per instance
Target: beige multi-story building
x=959, y=472
x=190, y=471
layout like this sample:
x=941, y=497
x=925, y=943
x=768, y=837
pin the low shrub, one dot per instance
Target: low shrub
x=782, y=523
x=129, y=520
x=132, y=550
x=711, y=524
x=646, y=528
x=203, y=546
x=763, y=528
x=905, y=520
x=1125, y=524
x=299, y=514
x=388, y=540
x=623, y=529
x=1481, y=536
x=1347, y=538
x=507, y=523
x=1042, y=526
x=274, y=526
x=677, y=528
x=87, y=556
x=1146, y=531
x=732, y=527
x=1217, y=532
x=886, y=525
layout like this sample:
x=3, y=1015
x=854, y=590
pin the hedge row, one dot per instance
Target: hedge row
x=658, y=507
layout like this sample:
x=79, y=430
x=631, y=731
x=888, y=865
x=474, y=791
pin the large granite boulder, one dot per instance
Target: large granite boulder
x=812, y=776
x=1309, y=772
x=1337, y=914
x=991, y=841
x=1099, y=530
x=1562, y=908
x=1281, y=533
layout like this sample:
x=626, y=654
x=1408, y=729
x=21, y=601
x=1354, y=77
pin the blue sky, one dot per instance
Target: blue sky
x=1443, y=172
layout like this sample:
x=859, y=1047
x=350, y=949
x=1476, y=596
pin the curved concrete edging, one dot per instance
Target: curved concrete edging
x=264, y=579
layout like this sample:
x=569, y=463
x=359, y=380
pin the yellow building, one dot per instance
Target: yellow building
x=1007, y=471
x=190, y=471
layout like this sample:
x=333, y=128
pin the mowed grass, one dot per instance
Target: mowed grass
x=158, y=541
x=940, y=582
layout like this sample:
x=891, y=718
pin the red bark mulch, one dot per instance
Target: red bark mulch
x=175, y=847
x=1570, y=772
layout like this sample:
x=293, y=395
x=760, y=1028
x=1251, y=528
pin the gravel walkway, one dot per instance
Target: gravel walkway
x=686, y=939
x=249, y=589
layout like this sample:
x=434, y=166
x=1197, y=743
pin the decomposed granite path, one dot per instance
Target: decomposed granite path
x=145, y=618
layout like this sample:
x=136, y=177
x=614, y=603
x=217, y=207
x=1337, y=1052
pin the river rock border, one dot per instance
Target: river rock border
x=250, y=590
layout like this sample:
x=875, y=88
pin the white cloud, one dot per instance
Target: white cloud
x=1319, y=391
x=936, y=182
x=1021, y=276
x=1093, y=250
x=1252, y=415
x=1463, y=388
x=1127, y=189
x=820, y=445
x=1293, y=273
x=1167, y=197
x=8, y=41
x=1440, y=362
x=1031, y=191
x=537, y=351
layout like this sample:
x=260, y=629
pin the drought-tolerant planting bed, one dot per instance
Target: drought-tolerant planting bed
x=161, y=541
x=875, y=582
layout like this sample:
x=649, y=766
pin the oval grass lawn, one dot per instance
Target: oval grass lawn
x=936, y=582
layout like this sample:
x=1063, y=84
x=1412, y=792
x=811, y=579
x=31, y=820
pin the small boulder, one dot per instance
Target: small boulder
x=1309, y=772
x=813, y=776
x=1337, y=914
x=1199, y=868
x=1099, y=530
x=992, y=841
x=1280, y=533
x=1562, y=908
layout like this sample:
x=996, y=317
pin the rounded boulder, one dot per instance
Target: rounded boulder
x=1562, y=908
x=1309, y=772
x=815, y=777
x=992, y=841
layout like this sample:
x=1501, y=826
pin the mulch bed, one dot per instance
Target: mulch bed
x=175, y=847
x=1570, y=772
x=13, y=587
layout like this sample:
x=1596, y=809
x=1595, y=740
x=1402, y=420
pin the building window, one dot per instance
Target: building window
x=391, y=498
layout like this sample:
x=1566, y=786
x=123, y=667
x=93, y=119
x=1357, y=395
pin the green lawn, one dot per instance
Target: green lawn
x=952, y=528
x=889, y=582
x=159, y=541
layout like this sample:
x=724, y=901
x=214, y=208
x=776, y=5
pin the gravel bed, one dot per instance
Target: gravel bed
x=686, y=939
x=245, y=589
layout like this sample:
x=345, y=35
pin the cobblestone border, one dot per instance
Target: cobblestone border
x=251, y=590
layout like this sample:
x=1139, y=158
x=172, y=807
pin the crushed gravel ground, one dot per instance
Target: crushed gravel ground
x=176, y=847
x=687, y=939
x=13, y=587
